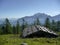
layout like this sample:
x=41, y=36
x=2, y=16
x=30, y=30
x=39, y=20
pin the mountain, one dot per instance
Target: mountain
x=42, y=17
x=56, y=18
x=30, y=19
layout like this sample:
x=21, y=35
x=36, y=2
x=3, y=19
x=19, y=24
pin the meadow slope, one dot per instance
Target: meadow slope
x=11, y=39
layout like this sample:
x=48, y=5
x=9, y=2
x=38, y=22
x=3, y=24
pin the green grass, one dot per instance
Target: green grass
x=11, y=39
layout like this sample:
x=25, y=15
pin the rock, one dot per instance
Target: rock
x=38, y=31
x=24, y=44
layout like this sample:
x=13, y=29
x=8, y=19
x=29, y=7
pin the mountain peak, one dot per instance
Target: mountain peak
x=41, y=14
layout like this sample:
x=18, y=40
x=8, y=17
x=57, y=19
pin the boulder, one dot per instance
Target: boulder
x=38, y=31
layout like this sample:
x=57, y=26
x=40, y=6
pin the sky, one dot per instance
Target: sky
x=21, y=8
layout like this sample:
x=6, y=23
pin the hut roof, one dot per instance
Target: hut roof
x=37, y=30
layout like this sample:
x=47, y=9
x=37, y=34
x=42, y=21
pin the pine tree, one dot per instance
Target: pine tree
x=47, y=23
x=1, y=32
x=53, y=25
x=8, y=28
x=14, y=30
x=37, y=22
x=18, y=27
x=58, y=26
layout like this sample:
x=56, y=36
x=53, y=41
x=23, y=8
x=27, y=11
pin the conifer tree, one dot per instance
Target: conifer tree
x=18, y=27
x=58, y=26
x=37, y=22
x=8, y=28
x=47, y=23
x=1, y=30
x=53, y=25
x=14, y=30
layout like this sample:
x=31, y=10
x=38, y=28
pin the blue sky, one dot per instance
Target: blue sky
x=21, y=8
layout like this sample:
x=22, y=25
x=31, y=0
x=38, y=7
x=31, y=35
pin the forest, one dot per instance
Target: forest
x=7, y=28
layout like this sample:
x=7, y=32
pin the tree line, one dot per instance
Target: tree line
x=7, y=28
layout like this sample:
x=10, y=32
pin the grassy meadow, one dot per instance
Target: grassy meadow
x=11, y=39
